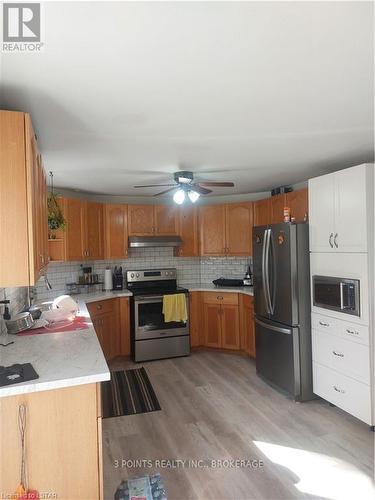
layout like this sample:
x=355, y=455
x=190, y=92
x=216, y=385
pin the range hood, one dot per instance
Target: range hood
x=154, y=241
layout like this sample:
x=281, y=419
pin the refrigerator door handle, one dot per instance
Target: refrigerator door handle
x=267, y=270
x=287, y=331
x=264, y=270
x=274, y=274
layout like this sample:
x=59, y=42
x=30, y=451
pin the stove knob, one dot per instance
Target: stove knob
x=132, y=275
x=137, y=275
x=166, y=273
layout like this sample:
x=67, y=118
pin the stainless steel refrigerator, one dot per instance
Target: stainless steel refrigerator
x=282, y=307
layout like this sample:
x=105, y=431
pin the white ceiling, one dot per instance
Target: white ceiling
x=259, y=93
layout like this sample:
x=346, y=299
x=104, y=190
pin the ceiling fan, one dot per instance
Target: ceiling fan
x=184, y=184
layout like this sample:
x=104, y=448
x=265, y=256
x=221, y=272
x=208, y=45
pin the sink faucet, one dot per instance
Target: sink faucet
x=47, y=283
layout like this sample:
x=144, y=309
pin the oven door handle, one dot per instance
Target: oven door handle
x=148, y=298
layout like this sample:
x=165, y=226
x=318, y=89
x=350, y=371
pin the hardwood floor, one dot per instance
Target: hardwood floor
x=215, y=407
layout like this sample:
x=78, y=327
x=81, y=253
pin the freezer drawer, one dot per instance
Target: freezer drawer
x=277, y=358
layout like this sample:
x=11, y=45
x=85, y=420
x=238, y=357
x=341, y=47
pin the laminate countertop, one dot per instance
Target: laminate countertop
x=66, y=359
x=210, y=287
x=61, y=359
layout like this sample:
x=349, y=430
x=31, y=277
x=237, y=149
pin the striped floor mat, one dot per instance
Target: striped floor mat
x=127, y=393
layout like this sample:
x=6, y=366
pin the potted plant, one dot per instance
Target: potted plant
x=56, y=218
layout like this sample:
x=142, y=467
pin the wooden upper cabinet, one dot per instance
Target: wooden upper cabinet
x=188, y=230
x=238, y=228
x=165, y=220
x=278, y=203
x=212, y=230
x=262, y=212
x=116, y=231
x=226, y=229
x=141, y=220
x=298, y=203
x=94, y=230
x=75, y=229
x=23, y=209
x=84, y=230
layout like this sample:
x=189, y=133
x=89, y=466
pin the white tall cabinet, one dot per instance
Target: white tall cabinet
x=341, y=218
x=338, y=210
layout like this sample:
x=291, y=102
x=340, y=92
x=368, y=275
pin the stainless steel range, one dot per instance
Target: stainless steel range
x=151, y=336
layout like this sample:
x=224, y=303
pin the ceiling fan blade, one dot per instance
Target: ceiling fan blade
x=166, y=191
x=153, y=185
x=201, y=190
x=218, y=184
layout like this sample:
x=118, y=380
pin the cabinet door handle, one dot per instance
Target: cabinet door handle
x=337, y=389
x=219, y=297
x=339, y=354
x=323, y=324
x=352, y=332
x=99, y=306
x=335, y=240
x=330, y=240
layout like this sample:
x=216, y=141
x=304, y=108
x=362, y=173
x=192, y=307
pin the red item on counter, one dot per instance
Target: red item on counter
x=79, y=323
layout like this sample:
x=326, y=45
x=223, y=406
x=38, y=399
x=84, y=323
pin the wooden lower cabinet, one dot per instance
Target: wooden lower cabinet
x=222, y=320
x=195, y=319
x=63, y=448
x=212, y=324
x=230, y=328
x=124, y=326
x=247, y=329
x=110, y=318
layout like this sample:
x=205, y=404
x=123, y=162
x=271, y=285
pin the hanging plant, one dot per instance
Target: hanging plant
x=55, y=216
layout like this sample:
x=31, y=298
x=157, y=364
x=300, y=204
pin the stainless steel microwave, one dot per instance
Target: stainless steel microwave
x=337, y=294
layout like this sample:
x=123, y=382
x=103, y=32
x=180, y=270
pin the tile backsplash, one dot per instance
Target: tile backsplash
x=18, y=297
x=190, y=270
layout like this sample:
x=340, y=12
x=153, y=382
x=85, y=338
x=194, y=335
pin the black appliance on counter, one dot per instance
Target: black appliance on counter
x=118, y=278
x=282, y=307
x=151, y=336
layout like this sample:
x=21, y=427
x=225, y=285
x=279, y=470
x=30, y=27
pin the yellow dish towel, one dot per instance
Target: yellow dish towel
x=174, y=307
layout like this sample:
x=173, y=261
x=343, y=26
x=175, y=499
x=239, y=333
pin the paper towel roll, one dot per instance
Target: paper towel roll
x=108, y=282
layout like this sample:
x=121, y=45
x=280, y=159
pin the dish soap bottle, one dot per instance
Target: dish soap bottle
x=248, y=279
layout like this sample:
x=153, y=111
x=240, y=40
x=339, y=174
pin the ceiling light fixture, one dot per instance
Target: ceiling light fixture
x=179, y=196
x=193, y=196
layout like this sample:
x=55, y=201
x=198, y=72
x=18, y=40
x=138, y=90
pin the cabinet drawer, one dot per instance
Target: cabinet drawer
x=351, y=359
x=220, y=298
x=344, y=329
x=101, y=307
x=346, y=393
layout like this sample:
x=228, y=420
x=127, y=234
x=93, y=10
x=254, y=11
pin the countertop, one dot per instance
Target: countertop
x=65, y=359
x=210, y=287
x=62, y=359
